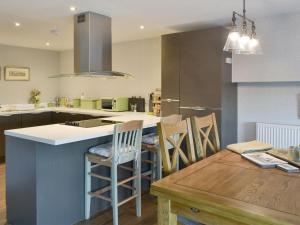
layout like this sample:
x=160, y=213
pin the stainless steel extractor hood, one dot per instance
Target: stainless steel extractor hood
x=92, y=47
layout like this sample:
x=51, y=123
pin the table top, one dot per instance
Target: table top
x=227, y=184
x=284, y=155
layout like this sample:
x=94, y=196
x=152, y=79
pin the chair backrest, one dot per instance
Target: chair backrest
x=171, y=119
x=205, y=132
x=175, y=134
x=127, y=139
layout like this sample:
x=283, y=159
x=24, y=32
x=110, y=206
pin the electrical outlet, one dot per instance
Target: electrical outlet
x=228, y=60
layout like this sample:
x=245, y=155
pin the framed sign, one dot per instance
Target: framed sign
x=16, y=73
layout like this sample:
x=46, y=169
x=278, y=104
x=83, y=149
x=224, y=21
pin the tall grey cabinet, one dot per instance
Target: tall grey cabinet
x=170, y=74
x=196, y=80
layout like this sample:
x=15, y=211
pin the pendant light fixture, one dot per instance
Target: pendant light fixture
x=242, y=37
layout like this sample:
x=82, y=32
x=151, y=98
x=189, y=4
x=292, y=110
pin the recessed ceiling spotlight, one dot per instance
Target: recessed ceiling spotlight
x=17, y=24
x=73, y=8
x=47, y=43
x=142, y=27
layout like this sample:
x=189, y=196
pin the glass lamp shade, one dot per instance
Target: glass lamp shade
x=251, y=47
x=254, y=46
x=244, y=42
x=232, y=42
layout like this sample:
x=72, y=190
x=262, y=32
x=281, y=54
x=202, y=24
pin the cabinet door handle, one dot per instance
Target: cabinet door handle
x=6, y=115
x=194, y=210
x=170, y=100
x=196, y=108
x=199, y=108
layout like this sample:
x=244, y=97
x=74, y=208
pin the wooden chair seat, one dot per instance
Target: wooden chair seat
x=151, y=148
x=97, y=159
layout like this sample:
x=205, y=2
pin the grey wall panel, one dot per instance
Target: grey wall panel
x=60, y=182
x=45, y=183
x=20, y=181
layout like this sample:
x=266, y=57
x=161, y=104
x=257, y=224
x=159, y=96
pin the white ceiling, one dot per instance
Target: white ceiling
x=39, y=17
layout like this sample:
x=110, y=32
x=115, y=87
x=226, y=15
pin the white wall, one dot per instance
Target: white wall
x=42, y=63
x=269, y=101
x=141, y=58
x=280, y=61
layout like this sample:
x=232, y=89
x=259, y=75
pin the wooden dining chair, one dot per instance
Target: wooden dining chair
x=150, y=144
x=206, y=135
x=174, y=134
x=125, y=147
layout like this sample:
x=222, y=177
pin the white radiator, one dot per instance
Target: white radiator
x=280, y=136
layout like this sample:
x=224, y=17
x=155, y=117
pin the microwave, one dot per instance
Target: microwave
x=114, y=104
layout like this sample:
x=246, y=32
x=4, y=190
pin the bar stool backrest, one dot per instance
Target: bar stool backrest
x=127, y=139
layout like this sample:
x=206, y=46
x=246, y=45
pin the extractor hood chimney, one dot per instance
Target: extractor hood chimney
x=92, y=47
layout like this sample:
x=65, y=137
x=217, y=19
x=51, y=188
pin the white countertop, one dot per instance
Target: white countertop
x=58, y=134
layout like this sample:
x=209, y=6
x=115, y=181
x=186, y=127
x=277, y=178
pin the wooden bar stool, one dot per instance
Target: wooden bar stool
x=206, y=135
x=125, y=147
x=150, y=144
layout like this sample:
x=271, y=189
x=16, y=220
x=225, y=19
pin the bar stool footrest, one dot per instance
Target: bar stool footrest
x=127, y=200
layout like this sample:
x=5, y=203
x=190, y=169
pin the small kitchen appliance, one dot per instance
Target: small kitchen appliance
x=114, y=104
x=139, y=103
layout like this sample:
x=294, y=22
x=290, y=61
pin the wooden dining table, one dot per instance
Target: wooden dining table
x=227, y=189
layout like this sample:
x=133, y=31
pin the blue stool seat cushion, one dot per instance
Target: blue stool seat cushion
x=150, y=139
x=104, y=150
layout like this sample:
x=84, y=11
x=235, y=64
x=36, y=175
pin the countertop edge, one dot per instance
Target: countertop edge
x=31, y=133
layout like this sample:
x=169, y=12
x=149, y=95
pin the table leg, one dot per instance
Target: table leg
x=165, y=216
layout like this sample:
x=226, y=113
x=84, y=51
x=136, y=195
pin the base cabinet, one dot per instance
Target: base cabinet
x=36, y=119
x=33, y=120
x=7, y=123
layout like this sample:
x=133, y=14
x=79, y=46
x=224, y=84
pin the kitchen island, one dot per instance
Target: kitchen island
x=45, y=169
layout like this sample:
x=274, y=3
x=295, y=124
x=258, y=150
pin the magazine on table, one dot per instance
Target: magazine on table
x=288, y=168
x=264, y=160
